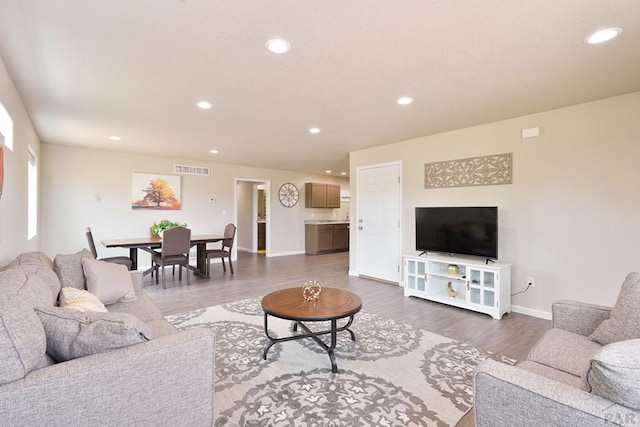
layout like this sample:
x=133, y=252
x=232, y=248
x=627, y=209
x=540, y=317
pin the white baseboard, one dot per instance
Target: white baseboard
x=272, y=254
x=353, y=273
x=531, y=312
x=285, y=253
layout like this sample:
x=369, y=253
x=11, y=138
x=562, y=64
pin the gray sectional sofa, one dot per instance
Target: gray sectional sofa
x=584, y=372
x=64, y=367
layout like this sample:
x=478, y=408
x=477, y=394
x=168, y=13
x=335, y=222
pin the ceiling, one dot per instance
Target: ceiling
x=88, y=69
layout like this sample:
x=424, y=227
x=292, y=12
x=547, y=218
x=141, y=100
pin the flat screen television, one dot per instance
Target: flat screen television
x=471, y=230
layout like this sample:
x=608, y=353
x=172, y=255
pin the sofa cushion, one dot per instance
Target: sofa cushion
x=624, y=323
x=81, y=300
x=38, y=258
x=22, y=339
x=553, y=374
x=108, y=281
x=615, y=373
x=161, y=328
x=565, y=351
x=68, y=267
x=36, y=283
x=72, y=334
x=143, y=308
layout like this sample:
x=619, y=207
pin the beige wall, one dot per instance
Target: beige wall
x=83, y=187
x=13, y=204
x=571, y=217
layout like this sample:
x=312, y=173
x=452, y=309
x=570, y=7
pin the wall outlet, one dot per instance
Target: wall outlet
x=531, y=281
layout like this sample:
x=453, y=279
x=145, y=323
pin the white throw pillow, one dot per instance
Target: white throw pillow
x=108, y=281
x=81, y=300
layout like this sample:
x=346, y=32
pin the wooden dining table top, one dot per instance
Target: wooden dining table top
x=157, y=240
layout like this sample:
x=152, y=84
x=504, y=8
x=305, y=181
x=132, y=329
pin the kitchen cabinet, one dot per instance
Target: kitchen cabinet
x=324, y=238
x=333, y=196
x=341, y=237
x=321, y=195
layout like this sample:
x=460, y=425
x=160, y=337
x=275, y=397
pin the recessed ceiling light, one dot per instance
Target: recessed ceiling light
x=343, y=173
x=214, y=151
x=314, y=130
x=603, y=35
x=327, y=171
x=278, y=46
x=204, y=105
x=405, y=100
x=115, y=138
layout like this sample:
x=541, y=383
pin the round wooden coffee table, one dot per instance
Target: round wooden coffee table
x=332, y=305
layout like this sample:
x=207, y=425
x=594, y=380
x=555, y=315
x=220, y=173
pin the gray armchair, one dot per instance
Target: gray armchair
x=585, y=371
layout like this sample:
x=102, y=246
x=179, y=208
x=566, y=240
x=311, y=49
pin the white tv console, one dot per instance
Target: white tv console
x=460, y=282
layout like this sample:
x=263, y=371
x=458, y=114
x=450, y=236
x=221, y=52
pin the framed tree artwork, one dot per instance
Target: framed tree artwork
x=152, y=191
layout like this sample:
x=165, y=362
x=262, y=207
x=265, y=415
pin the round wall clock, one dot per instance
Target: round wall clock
x=288, y=194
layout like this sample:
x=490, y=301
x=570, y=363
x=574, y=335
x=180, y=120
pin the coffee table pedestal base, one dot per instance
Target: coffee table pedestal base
x=308, y=333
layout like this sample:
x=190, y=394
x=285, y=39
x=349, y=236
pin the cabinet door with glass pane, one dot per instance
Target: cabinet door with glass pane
x=481, y=287
x=415, y=276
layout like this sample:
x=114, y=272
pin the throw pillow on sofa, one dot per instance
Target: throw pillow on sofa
x=624, y=323
x=615, y=373
x=22, y=339
x=81, y=300
x=68, y=267
x=38, y=258
x=72, y=334
x=108, y=281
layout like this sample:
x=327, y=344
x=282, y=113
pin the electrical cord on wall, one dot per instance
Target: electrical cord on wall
x=522, y=292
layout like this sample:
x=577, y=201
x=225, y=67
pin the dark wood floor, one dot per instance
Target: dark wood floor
x=255, y=275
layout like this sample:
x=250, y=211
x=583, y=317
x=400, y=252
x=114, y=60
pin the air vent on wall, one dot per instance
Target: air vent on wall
x=191, y=170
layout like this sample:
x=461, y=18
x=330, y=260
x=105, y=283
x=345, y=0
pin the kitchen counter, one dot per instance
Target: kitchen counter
x=326, y=221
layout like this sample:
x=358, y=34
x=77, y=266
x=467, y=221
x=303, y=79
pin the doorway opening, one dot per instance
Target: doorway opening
x=253, y=215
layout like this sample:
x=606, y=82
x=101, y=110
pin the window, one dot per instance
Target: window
x=32, y=197
x=6, y=127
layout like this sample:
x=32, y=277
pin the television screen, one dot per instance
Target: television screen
x=458, y=230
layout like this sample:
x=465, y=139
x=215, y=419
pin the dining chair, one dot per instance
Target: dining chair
x=225, y=250
x=123, y=260
x=176, y=243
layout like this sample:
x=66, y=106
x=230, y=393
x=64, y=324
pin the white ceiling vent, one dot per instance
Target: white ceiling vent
x=191, y=170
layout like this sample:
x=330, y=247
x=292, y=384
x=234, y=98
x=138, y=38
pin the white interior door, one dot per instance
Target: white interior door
x=378, y=222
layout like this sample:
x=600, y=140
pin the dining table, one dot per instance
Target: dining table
x=149, y=243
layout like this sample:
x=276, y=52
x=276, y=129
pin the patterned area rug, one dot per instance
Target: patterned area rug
x=392, y=375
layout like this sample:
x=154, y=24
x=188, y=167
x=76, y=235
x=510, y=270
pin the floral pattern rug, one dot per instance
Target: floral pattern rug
x=392, y=375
